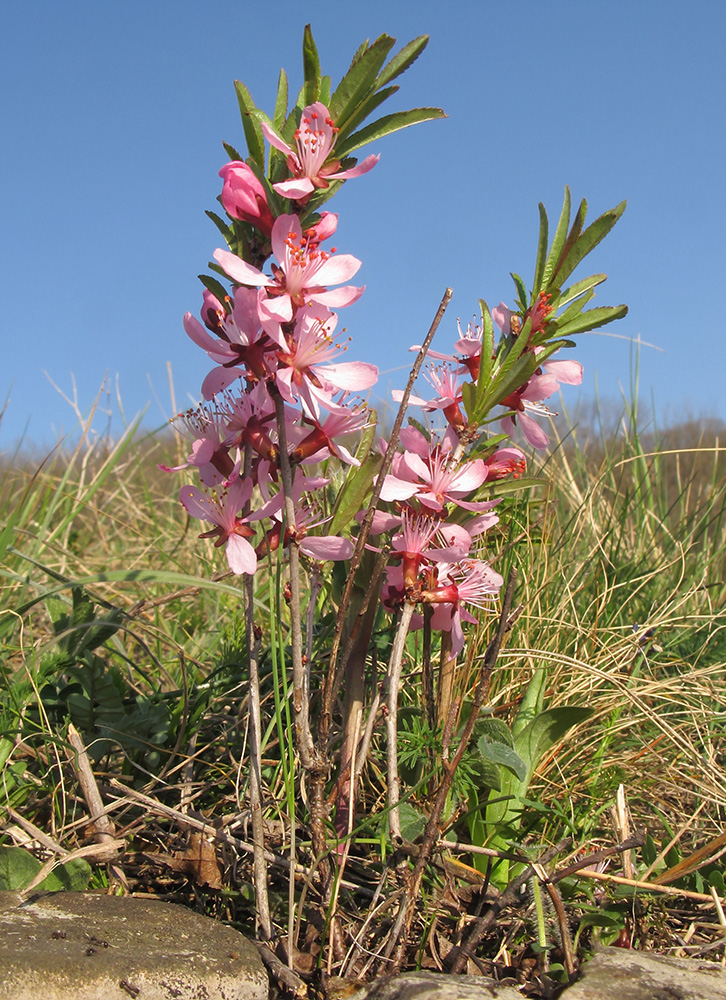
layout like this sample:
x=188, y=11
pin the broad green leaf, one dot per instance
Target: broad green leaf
x=541, y=252
x=250, y=124
x=487, y=347
x=387, y=125
x=558, y=242
x=280, y=113
x=546, y=729
x=400, y=62
x=311, y=67
x=592, y=319
x=494, y=730
x=587, y=241
x=360, y=79
x=71, y=876
x=413, y=823
x=353, y=493
x=18, y=868
x=532, y=701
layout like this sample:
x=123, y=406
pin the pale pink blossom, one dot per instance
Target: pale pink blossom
x=222, y=508
x=301, y=276
x=310, y=162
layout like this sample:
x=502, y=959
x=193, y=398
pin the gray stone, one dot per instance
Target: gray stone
x=86, y=946
x=436, y=986
x=622, y=974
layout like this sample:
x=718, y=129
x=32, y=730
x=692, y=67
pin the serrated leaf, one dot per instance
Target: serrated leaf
x=587, y=241
x=558, y=243
x=413, y=823
x=311, y=67
x=359, y=80
x=363, y=110
x=325, y=90
x=592, y=319
x=521, y=290
x=469, y=399
x=280, y=112
x=224, y=227
x=387, y=125
x=215, y=287
x=400, y=62
x=541, y=251
x=250, y=124
x=231, y=152
x=579, y=288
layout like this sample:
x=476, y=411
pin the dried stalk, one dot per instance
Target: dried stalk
x=402, y=926
x=300, y=696
x=334, y=676
x=394, y=682
x=262, y=903
x=458, y=956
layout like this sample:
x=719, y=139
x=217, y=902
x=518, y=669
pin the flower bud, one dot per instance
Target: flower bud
x=244, y=197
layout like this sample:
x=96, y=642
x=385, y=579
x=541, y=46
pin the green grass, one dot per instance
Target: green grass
x=115, y=615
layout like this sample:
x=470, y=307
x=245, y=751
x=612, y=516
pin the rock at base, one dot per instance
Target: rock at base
x=621, y=974
x=86, y=946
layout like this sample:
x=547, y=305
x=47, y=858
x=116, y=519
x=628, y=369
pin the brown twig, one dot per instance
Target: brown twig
x=402, y=925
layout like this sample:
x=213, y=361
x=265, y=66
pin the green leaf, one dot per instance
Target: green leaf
x=311, y=67
x=579, y=288
x=364, y=109
x=71, y=876
x=494, y=730
x=250, y=124
x=521, y=291
x=546, y=729
x=325, y=91
x=360, y=79
x=500, y=753
x=413, y=823
x=400, y=62
x=587, y=241
x=231, y=152
x=558, y=242
x=18, y=868
x=387, y=125
x=224, y=227
x=280, y=113
x=353, y=493
x=541, y=252
x=215, y=287
x=592, y=319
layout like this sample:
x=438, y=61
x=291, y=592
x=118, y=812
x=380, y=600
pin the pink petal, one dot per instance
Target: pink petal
x=274, y=140
x=327, y=547
x=296, y=187
x=350, y=375
x=218, y=380
x=362, y=168
x=339, y=297
x=240, y=555
x=239, y=270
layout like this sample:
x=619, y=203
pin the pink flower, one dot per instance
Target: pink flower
x=527, y=400
x=305, y=372
x=471, y=582
x=244, y=197
x=314, y=141
x=221, y=508
x=445, y=381
x=302, y=275
x=209, y=452
x=434, y=478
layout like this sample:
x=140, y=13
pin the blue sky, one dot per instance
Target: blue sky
x=114, y=115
